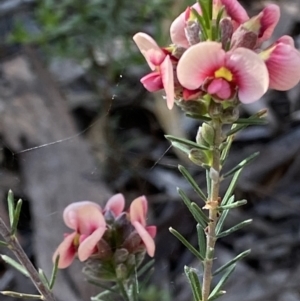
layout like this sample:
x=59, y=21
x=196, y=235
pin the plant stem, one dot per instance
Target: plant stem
x=213, y=212
x=123, y=290
x=18, y=251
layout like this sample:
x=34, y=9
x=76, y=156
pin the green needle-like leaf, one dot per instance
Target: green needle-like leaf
x=21, y=295
x=198, y=116
x=240, y=165
x=223, y=216
x=193, y=183
x=201, y=240
x=188, y=203
x=11, y=206
x=202, y=24
x=251, y=121
x=3, y=244
x=54, y=272
x=198, y=212
x=186, y=243
x=186, y=142
x=235, y=228
x=43, y=277
x=205, y=12
x=145, y=268
x=222, y=281
x=233, y=205
x=194, y=282
x=181, y=147
x=16, y=217
x=231, y=262
x=217, y=295
x=231, y=187
x=14, y=264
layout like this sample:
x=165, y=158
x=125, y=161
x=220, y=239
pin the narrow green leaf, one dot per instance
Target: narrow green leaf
x=235, y=228
x=15, y=264
x=186, y=142
x=223, y=217
x=186, y=243
x=103, y=296
x=188, y=203
x=233, y=205
x=240, y=165
x=11, y=206
x=235, y=130
x=193, y=183
x=201, y=240
x=239, y=127
x=194, y=283
x=231, y=262
x=205, y=13
x=231, y=187
x=198, y=116
x=3, y=244
x=145, y=268
x=201, y=22
x=181, y=147
x=43, y=278
x=217, y=295
x=226, y=149
x=220, y=15
x=251, y=121
x=199, y=213
x=16, y=217
x=109, y=289
x=222, y=281
x=21, y=295
x=54, y=273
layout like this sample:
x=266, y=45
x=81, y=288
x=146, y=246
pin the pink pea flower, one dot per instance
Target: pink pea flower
x=222, y=74
x=283, y=63
x=87, y=221
x=262, y=24
x=233, y=9
x=160, y=62
x=137, y=214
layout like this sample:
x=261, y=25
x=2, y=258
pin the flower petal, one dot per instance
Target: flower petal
x=145, y=43
x=269, y=20
x=283, y=63
x=177, y=31
x=199, y=62
x=151, y=230
x=70, y=214
x=250, y=73
x=235, y=11
x=166, y=69
x=146, y=238
x=138, y=210
x=152, y=82
x=87, y=247
x=116, y=204
x=66, y=251
x=85, y=217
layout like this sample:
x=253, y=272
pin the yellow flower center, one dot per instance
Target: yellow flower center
x=224, y=73
x=76, y=240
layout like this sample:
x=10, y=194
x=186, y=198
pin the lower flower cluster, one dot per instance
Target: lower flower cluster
x=110, y=241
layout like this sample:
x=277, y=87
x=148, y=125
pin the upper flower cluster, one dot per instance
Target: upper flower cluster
x=99, y=233
x=219, y=52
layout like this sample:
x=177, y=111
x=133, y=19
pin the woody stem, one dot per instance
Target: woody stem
x=213, y=212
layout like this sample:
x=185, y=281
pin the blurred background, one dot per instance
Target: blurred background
x=76, y=124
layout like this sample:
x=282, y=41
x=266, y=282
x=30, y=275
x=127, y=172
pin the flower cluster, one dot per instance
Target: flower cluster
x=99, y=234
x=220, y=53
